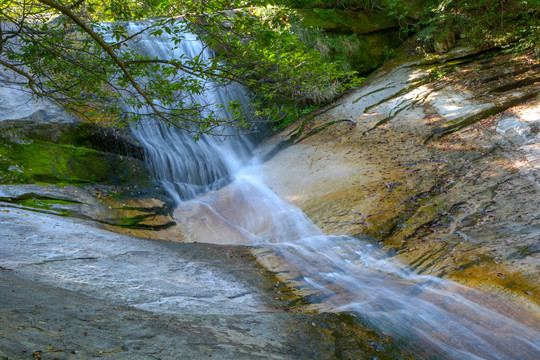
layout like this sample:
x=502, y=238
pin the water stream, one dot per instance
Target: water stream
x=345, y=273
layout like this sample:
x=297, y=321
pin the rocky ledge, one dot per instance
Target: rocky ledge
x=438, y=160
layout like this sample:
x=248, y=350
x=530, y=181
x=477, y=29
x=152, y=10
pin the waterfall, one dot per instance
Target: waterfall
x=185, y=167
x=445, y=319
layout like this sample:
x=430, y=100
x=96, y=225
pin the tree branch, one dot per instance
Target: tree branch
x=99, y=40
x=31, y=81
x=186, y=69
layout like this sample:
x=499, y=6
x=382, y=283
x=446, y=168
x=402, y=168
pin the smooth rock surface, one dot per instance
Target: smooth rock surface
x=69, y=290
x=461, y=205
x=78, y=288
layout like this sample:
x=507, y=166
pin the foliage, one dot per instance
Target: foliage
x=509, y=23
x=512, y=24
x=78, y=54
x=329, y=4
x=292, y=75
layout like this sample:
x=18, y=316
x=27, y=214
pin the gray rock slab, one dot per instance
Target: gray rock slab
x=513, y=129
x=84, y=205
x=51, y=322
x=68, y=286
x=371, y=93
x=145, y=274
x=18, y=103
x=69, y=193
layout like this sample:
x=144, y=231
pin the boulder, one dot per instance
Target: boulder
x=445, y=41
x=52, y=148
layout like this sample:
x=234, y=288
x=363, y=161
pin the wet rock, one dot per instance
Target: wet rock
x=463, y=196
x=71, y=290
x=102, y=204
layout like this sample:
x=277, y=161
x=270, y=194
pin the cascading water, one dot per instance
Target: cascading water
x=346, y=273
x=187, y=168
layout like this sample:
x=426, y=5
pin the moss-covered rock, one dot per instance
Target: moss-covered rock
x=361, y=53
x=358, y=40
x=345, y=22
x=409, y=9
x=35, y=161
x=81, y=134
x=68, y=153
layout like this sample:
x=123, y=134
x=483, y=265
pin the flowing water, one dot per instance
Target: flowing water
x=344, y=273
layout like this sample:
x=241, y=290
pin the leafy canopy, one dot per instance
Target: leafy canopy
x=78, y=54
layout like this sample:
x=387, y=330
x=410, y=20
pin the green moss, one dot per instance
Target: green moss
x=45, y=204
x=30, y=161
x=357, y=41
x=132, y=222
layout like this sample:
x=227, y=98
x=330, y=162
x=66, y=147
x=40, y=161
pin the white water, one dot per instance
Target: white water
x=345, y=273
x=187, y=168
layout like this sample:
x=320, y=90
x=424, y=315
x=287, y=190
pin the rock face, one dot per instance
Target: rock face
x=52, y=163
x=34, y=150
x=365, y=39
x=438, y=160
x=346, y=22
x=70, y=289
x=41, y=143
x=17, y=104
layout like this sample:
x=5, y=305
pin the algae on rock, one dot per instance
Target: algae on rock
x=66, y=154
